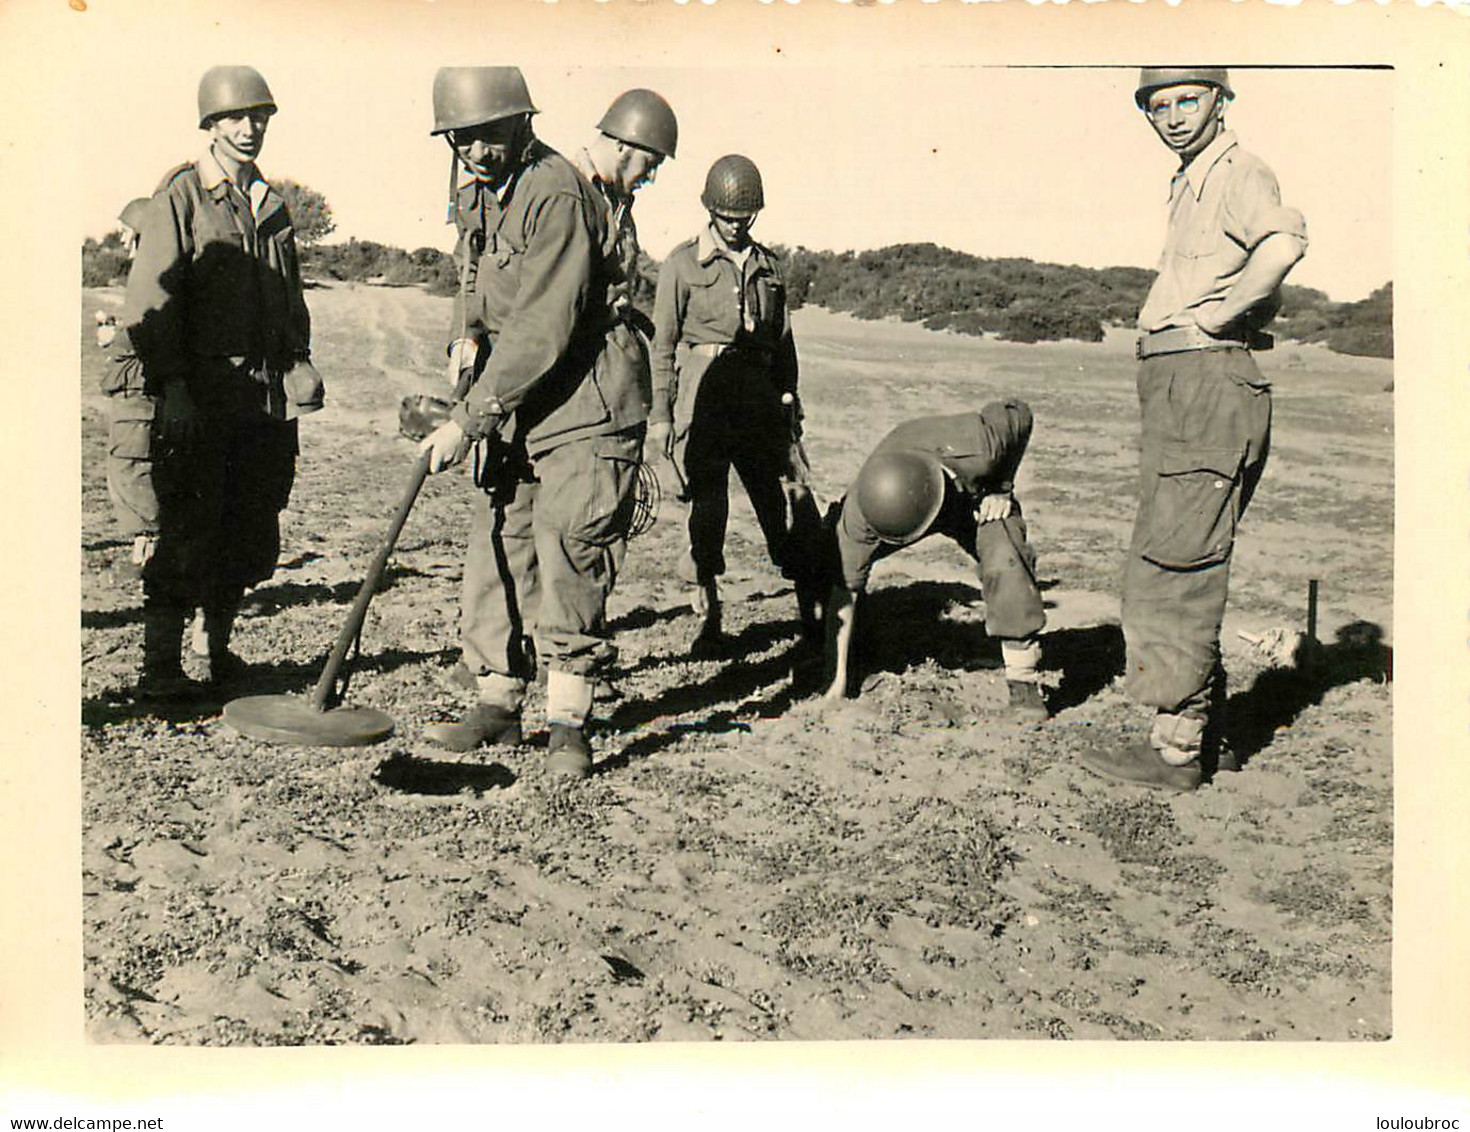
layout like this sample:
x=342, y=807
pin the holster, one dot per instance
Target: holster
x=499, y=467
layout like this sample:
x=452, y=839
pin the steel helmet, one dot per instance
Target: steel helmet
x=733, y=187
x=473, y=96
x=900, y=493
x=642, y=118
x=132, y=215
x=1151, y=79
x=229, y=90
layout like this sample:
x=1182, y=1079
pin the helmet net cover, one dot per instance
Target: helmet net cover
x=733, y=187
x=900, y=493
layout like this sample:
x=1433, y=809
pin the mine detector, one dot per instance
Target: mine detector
x=322, y=719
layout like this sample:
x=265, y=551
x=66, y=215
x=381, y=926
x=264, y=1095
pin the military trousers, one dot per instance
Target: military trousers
x=729, y=415
x=1206, y=432
x=542, y=560
x=130, y=475
x=219, y=503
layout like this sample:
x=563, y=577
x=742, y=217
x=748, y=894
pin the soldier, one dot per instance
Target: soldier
x=635, y=136
x=955, y=476
x=217, y=319
x=1206, y=420
x=557, y=399
x=130, y=418
x=725, y=380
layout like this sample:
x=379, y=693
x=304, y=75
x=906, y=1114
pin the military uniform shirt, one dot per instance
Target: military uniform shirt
x=706, y=298
x=1221, y=206
x=216, y=276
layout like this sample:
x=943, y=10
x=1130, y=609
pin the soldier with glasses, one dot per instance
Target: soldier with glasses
x=555, y=393
x=1206, y=421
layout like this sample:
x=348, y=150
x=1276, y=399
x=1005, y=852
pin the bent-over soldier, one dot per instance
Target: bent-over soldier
x=953, y=476
x=1206, y=415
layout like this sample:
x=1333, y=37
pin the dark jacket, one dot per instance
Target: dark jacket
x=212, y=281
x=543, y=280
x=982, y=449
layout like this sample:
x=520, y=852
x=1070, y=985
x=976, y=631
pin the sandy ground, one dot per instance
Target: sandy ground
x=743, y=865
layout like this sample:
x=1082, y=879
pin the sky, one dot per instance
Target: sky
x=1049, y=164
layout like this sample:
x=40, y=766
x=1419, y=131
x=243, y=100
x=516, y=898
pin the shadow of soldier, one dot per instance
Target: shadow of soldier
x=1279, y=695
x=900, y=626
x=427, y=777
x=1088, y=659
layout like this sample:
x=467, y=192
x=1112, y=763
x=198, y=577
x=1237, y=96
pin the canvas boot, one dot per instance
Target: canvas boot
x=1025, y=700
x=568, y=754
x=209, y=643
x=162, y=677
x=568, y=704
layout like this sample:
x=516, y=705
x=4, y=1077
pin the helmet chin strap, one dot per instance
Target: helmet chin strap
x=453, y=184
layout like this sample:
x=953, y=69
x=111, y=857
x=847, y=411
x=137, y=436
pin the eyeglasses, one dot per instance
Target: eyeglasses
x=1189, y=104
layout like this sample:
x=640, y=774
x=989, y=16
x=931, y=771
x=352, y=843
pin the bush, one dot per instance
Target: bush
x=104, y=262
x=311, y=215
x=1362, y=341
x=974, y=323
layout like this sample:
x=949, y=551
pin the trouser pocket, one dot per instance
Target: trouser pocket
x=587, y=487
x=1191, y=515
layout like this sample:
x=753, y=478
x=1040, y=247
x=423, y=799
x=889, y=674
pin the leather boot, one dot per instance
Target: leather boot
x=483, y=725
x=1143, y=766
x=212, y=628
x=568, y=754
x=1026, y=701
x=711, y=636
x=162, y=677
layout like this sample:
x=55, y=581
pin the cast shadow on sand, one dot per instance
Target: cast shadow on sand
x=1279, y=695
x=1088, y=659
x=410, y=775
x=645, y=617
x=901, y=626
x=268, y=679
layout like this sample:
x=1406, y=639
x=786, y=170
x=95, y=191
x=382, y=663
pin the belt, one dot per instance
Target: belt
x=1178, y=339
x=716, y=349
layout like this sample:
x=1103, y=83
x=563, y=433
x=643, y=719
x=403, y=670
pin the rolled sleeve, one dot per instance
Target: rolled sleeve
x=1253, y=210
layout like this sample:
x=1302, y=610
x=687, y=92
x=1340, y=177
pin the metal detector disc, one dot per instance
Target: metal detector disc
x=291, y=719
